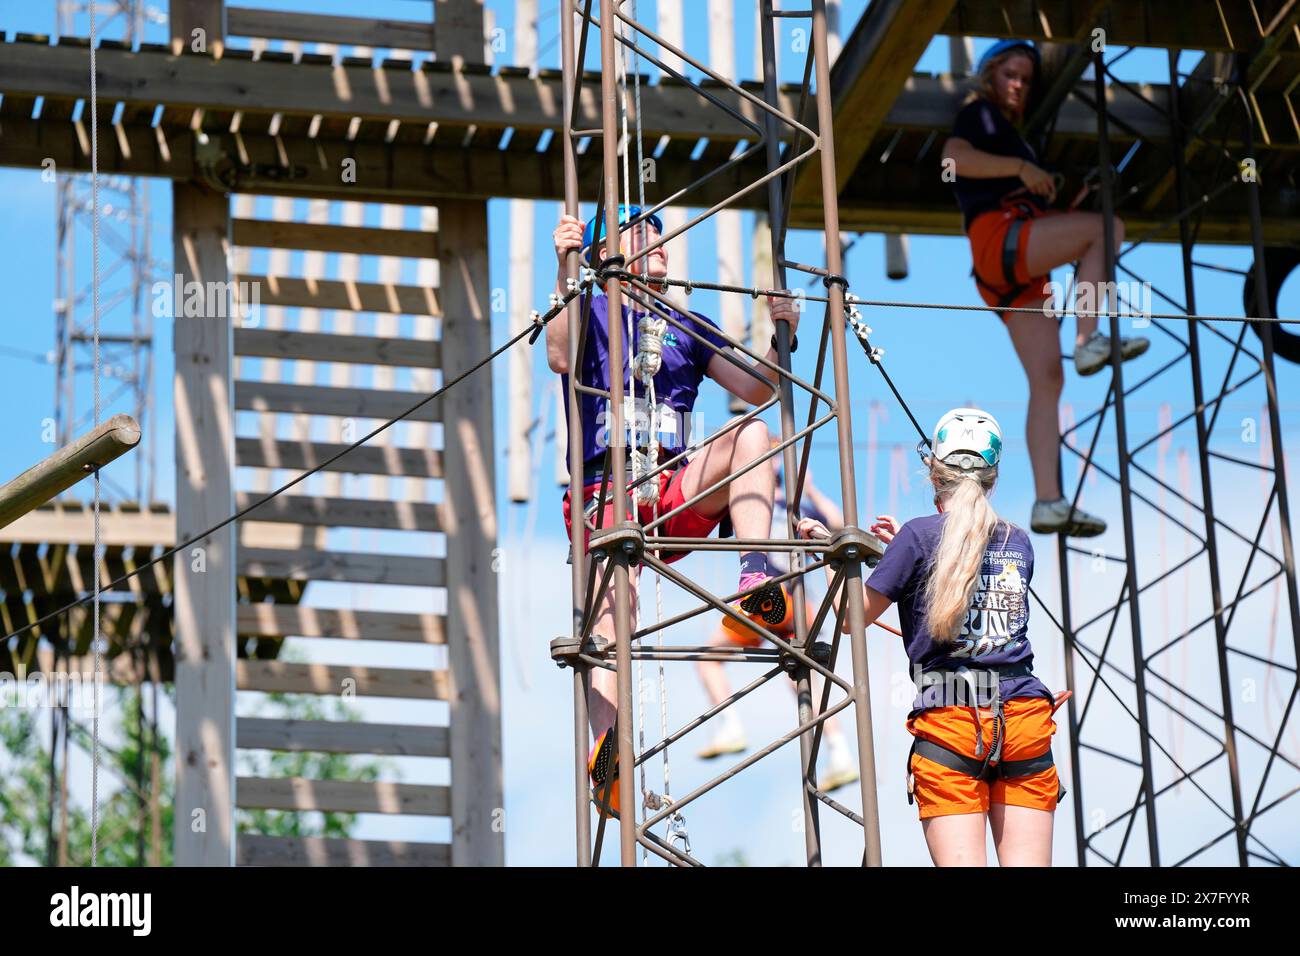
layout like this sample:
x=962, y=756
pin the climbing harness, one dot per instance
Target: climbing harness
x=984, y=685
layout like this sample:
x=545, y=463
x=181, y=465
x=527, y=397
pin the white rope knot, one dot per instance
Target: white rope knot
x=650, y=348
x=647, y=493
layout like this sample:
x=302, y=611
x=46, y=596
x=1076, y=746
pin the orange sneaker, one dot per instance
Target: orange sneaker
x=602, y=764
x=770, y=606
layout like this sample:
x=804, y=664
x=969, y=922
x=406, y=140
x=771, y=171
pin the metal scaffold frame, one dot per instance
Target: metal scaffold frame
x=620, y=547
x=1109, y=667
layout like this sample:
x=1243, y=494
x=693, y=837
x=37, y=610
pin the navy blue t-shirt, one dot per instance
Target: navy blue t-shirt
x=982, y=124
x=677, y=384
x=996, y=631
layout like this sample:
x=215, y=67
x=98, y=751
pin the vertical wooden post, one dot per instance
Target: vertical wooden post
x=468, y=508
x=731, y=269
x=204, y=574
x=519, y=452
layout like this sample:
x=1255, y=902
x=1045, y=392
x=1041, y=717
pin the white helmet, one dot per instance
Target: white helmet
x=966, y=438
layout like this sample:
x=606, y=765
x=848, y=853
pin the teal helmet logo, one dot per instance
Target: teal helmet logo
x=965, y=436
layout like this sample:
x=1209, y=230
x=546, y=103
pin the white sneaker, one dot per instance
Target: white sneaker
x=1055, y=517
x=841, y=772
x=1094, y=354
x=728, y=740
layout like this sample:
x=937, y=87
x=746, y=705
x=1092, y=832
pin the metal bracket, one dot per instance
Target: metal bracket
x=854, y=544
x=625, y=536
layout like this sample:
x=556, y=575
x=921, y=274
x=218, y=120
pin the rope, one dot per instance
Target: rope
x=536, y=329
x=98, y=547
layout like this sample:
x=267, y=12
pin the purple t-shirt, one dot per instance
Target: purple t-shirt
x=982, y=125
x=995, y=633
x=685, y=362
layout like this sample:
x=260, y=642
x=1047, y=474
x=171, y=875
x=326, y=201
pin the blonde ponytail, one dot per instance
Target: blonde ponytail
x=968, y=524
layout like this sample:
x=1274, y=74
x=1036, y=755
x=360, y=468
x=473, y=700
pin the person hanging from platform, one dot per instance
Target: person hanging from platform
x=730, y=735
x=1016, y=240
x=686, y=362
x=982, y=722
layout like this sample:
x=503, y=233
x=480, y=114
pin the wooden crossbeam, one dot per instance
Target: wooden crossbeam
x=340, y=737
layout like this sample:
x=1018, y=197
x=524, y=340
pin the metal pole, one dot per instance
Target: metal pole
x=844, y=423
x=1203, y=447
x=776, y=206
x=618, y=456
x=577, y=538
x=1263, y=304
x=1121, y=438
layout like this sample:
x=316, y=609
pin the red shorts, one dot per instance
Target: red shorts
x=688, y=523
x=996, y=267
x=940, y=790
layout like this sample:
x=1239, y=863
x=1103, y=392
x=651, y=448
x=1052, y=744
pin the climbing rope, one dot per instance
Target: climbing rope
x=96, y=642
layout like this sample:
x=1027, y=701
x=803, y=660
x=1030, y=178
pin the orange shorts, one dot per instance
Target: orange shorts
x=750, y=639
x=940, y=790
x=995, y=265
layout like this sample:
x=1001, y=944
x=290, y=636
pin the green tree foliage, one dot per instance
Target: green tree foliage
x=125, y=824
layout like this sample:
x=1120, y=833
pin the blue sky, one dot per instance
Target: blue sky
x=939, y=359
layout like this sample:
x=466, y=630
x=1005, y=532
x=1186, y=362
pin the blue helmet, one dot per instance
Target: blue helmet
x=625, y=214
x=1002, y=46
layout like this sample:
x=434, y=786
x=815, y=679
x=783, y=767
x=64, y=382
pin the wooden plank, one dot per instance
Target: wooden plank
x=364, y=460
x=278, y=620
x=447, y=97
x=344, y=512
x=204, y=594
x=341, y=796
x=353, y=296
x=867, y=79
x=307, y=565
x=327, y=347
x=470, y=519
x=330, y=400
x=364, y=240
x=317, y=28
x=257, y=850
x=341, y=737
x=291, y=677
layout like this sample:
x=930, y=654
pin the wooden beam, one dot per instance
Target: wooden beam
x=363, y=240
x=1161, y=23
x=318, y=28
x=291, y=677
x=867, y=78
x=469, y=502
x=455, y=97
x=341, y=737
x=257, y=850
x=346, y=295
x=364, y=460
x=341, y=796
x=104, y=443
x=328, y=347
x=362, y=568
x=191, y=22
x=329, y=400
x=290, y=620
x=204, y=575
x=344, y=512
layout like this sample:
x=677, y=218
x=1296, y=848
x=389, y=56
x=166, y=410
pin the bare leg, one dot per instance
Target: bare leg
x=1022, y=835
x=713, y=676
x=1037, y=342
x=956, y=839
x=1077, y=236
x=749, y=497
